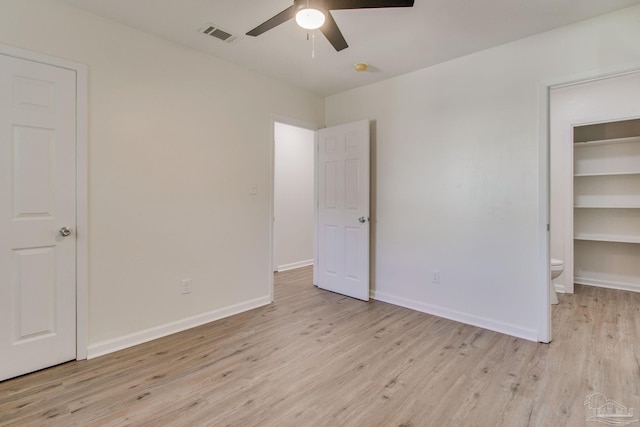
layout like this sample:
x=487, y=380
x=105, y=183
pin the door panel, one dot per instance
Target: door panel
x=32, y=180
x=343, y=188
x=37, y=198
x=34, y=293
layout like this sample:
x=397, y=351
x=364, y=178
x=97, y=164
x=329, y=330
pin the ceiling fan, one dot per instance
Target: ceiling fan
x=313, y=14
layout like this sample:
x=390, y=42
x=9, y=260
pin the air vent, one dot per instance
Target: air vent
x=215, y=32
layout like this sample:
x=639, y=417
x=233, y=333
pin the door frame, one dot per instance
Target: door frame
x=82, y=229
x=544, y=181
x=276, y=118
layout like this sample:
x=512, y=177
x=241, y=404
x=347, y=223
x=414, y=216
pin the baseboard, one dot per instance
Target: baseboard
x=621, y=286
x=295, y=265
x=481, y=322
x=112, y=345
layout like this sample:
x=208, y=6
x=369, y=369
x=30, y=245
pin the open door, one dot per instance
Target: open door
x=342, y=251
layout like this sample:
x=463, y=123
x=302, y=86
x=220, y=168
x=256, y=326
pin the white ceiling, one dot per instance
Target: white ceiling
x=393, y=41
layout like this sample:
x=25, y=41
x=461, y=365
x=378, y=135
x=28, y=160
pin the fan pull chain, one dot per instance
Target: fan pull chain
x=312, y=36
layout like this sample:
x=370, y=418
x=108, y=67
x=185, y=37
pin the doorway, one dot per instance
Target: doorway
x=293, y=193
x=594, y=182
x=341, y=172
x=278, y=121
x=594, y=173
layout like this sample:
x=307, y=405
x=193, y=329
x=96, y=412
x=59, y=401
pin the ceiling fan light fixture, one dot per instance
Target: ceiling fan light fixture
x=310, y=19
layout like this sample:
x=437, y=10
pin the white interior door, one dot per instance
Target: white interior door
x=343, y=209
x=37, y=199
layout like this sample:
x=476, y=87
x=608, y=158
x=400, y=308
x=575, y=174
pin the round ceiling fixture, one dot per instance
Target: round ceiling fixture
x=361, y=67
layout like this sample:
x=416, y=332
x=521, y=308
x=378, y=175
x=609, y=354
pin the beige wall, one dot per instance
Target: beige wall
x=176, y=138
x=458, y=172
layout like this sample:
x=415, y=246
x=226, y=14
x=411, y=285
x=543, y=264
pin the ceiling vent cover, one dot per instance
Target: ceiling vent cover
x=211, y=30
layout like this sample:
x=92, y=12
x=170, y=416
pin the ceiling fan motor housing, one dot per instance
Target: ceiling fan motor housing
x=310, y=4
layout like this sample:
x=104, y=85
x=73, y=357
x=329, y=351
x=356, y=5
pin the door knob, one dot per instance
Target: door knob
x=65, y=231
x=362, y=220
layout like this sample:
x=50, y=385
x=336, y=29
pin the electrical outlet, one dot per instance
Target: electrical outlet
x=185, y=286
x=436, y=276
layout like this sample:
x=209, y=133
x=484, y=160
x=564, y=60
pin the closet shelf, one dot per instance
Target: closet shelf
x=606, y=238
x=583, y=144
x=580, y=175
x=606, y=207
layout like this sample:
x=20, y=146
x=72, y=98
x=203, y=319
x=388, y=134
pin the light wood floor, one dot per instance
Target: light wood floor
x=314, y=358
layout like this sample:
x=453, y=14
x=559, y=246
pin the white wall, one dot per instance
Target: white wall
x=176, y=138
x=458, y=163
x=293, y=196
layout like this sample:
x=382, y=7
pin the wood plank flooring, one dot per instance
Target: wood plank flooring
x=315, y=358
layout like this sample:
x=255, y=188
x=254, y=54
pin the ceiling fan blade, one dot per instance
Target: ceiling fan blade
x=280, y=18
x=364, y=4
x=333, y=34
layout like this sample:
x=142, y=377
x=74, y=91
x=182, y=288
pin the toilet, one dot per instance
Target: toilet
x=557, y=267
